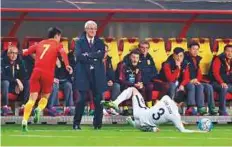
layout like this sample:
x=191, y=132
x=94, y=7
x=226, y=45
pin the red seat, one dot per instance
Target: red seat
x=228, y=96
x=72, y=46
x=7, y=41
x=29, y=41
x=219, y=45
x=107, y=95
x=60, y=95
x=155, y=95
x=12, y=97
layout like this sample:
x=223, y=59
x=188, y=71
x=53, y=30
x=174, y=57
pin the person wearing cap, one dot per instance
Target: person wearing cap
x=176, y=72
x=191, y=56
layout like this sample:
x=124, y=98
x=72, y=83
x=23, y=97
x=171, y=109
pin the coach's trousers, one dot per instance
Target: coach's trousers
x=80, y=106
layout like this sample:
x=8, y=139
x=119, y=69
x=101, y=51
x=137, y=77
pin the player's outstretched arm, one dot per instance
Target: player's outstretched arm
x=65, y=59
x=192, y=131
x=179, y=125
x=30, y=50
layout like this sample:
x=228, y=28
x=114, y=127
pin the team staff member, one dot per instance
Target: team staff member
x=193, y=60
x=89, y=74
x=13, y=78
x=221, y=76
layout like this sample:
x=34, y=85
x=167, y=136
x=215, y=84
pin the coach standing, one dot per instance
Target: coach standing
x=89, y=73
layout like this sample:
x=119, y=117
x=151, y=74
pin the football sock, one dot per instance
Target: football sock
x=42, y=103
x=125, y=95
x=27, y=109
x=149, y=104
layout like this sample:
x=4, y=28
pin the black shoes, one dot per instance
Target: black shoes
x=97, y=128
x=76, y=127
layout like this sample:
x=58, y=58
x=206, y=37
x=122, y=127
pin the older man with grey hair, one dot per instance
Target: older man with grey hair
x=13, y=78
x=89, y=73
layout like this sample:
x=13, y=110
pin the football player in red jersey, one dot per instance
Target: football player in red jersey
x=42, y=76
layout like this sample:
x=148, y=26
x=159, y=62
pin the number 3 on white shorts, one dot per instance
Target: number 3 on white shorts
x=46, y=47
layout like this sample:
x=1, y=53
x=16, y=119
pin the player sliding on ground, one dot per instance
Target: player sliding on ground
x=43, y=73
x=147, y=119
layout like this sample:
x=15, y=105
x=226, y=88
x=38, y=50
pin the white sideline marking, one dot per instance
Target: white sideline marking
x=135, y=130
x=108, y=137
x=111, y=146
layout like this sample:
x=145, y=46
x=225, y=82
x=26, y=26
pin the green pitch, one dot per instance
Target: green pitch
x=117, y=135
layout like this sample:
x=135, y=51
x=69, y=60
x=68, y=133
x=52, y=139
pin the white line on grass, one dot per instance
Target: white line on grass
x=111, y=146
x=135, y=130
x=112, y=137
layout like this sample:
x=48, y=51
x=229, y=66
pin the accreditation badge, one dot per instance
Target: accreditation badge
x=17, y=67
x=137, y=71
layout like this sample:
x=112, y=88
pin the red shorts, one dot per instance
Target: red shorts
x=41, y=82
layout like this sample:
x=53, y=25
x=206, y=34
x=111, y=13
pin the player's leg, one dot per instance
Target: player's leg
x=125, y=95
x=138, y=103
x=34, y=90
x=46, y=88
x=41, y=105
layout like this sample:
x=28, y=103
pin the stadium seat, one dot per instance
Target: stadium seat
x=228, y=96
x=72, y=46
x=113, y=50
x=60, y=95
x=29, y=41
x=219, y=45
x=157, y=51
x=155, y=95
x=7, y=41
x=64, y=41
x=205, y=53
x=107, y=95
x=12, y=97
x=126, y=45
x=176, y=42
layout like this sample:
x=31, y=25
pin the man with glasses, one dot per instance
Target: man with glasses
x=89, y=73
x=13, y=79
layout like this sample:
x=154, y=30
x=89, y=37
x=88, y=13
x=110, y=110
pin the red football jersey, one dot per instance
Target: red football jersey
x=46, y=55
